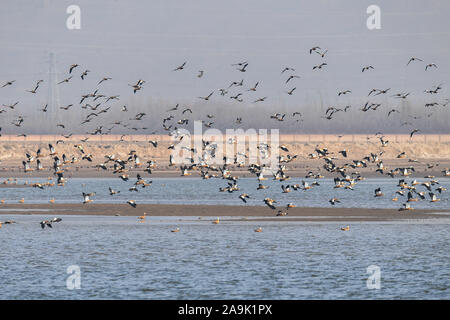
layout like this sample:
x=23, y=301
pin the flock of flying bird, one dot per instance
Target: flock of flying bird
x=198, y=161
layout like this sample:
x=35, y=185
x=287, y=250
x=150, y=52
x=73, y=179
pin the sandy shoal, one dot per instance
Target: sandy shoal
x=247, y=212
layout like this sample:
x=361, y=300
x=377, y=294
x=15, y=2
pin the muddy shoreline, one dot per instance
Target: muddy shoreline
x=250, y=212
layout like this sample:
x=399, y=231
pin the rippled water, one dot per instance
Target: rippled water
x=197, y=191
x=122, y=259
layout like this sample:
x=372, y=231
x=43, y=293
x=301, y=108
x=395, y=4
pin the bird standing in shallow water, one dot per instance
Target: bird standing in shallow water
x=142, y=218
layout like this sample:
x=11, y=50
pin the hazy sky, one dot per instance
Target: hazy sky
x=131, y=39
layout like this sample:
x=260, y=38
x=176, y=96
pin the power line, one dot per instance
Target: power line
x=53, y=91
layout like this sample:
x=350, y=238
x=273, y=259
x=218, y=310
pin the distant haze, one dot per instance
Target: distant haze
x=129, y=40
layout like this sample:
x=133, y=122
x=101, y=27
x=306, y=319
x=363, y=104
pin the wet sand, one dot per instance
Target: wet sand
x=250, y=213
x=13, y=185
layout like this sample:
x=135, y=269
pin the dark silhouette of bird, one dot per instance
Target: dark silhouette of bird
x=181, y=67
x=413, y=59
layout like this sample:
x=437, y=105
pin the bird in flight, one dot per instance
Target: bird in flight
x=287, y=69
x=344, y=92
x=104, y=79
x=367, y=68
x=314, y=49
x=12, y=105
x=73, y=66
x=84, y=74
x=292, y=77
x=240, y=64
x=430, y=65
x=413, y=59
x=48, y=223
x=180, y=67
x=174, y=108
x=36, y=87
x=401, y=95
x=391, y=111
x=237, y=84
x=382, y=91
x=260, y=100
x=254, y=87
x=290, y=92
x=207, y=97
x=412, y=132
x=243, y=68
x=86, y=197
x=333, y=201
x=320, y=66
x=132, y=203
x=8, y=83
x=65, y=80
x=322, y=54
x=244, y=197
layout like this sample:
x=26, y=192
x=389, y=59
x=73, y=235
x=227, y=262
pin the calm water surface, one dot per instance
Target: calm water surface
x=186, y=190
x=122, y=259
